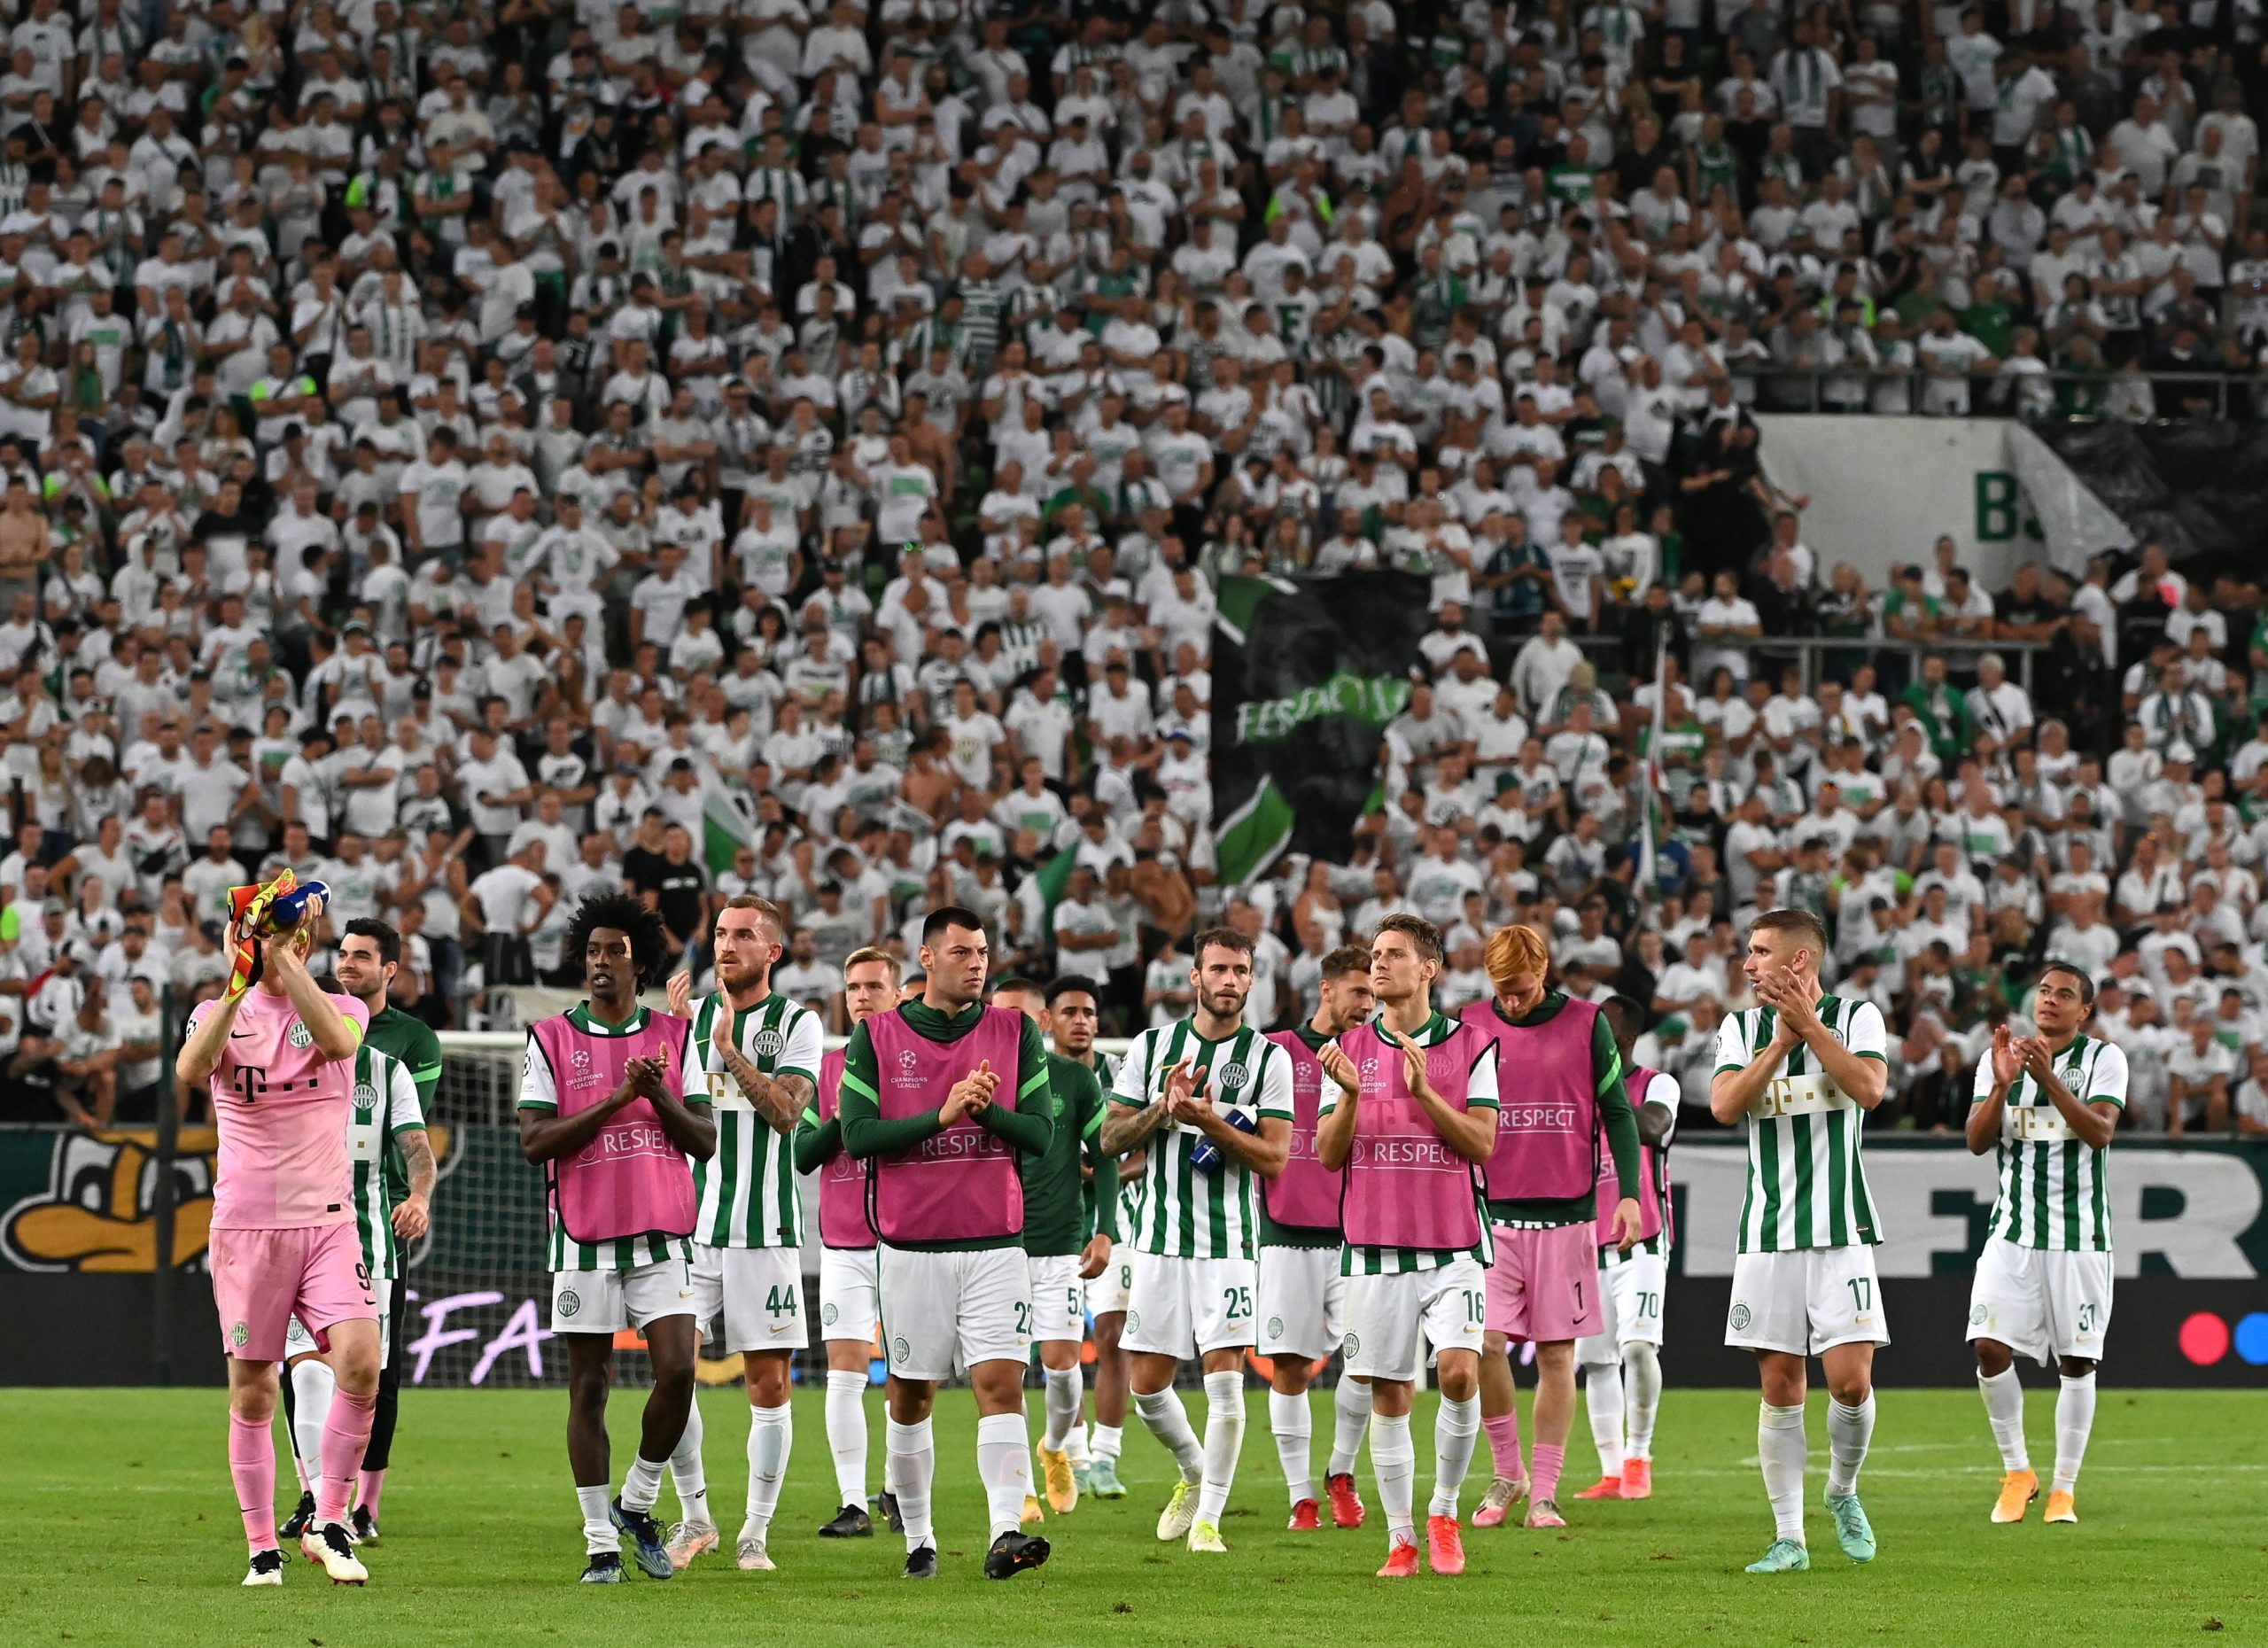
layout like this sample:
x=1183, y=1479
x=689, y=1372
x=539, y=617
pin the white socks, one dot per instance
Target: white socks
x=1288, y=1421
x=1848, y=1432
x=598, y=1521
x=313, y=1385
x=1455, y=1427
x=1394, y=1459
x=643, y=1484
x=1603, y=1400
x=771, y=1433
x=1780, y=1446
x=1169, y=1422
x=2074, y=1418
x=1109, y=1439
x=1065, y=1394
x=687, y=1472
x=908, y=1464
x=1350, y=1407
x=1003, y=1467
x=846, y=1434
x=2003, y=1394
x=1224, y=1440
x=1641, y=1392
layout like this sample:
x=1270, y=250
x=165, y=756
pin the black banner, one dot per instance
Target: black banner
x=1306, y=676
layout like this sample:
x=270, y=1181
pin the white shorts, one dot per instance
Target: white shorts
x=2041, y=1304
x=850, y=1306
x=1303, y=1303
x=1058, y=1298
x=1806, y=1301
x=758, y=1291
x=1630, y=1308
x=1391, y=1320
x=943, y=1313
x=1187, y=1307
x=608, y=1302
x=1107, y=1294
x=300, y=1343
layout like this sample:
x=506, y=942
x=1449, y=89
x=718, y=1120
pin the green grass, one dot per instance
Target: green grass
x=118, y=1527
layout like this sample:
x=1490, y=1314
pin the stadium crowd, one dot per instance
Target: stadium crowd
x=464, y=453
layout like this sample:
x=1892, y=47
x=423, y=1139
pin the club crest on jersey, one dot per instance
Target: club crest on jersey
x=899, y=1350
x=299, y=1035
x=240, y=1335
x=1352, y=1346
x=1232, y=1075
x=1739, y=1317
x=1976, y=1315
x=828, y=1314
x=366, y=1096
x=570, y=1302
x=767, y=1043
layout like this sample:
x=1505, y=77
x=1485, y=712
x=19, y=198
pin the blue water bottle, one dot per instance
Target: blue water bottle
x=291, y=909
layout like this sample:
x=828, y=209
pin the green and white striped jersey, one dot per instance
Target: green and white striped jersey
x=1806, y=1186
x=1180, y=1213
x=538, y=1092
x=748, y=1190
x=2056, y=1187
x=1481, y=1094
x=385, y=1105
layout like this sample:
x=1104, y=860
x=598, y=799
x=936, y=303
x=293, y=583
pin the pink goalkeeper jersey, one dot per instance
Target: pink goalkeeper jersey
x=282, y=1114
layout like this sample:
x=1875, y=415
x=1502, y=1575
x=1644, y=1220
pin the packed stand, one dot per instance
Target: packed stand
x=479, y=456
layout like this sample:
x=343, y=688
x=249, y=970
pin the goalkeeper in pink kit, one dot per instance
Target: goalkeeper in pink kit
x=277, y=1053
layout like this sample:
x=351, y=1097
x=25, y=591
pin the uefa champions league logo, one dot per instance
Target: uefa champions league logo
x=908, y=1060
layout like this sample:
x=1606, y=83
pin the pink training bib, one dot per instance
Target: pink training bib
x=1405, y=1187
x=1652, y=1174
x=843, y=1221
x=960, y=1184
x=1304, y=1196
x=631, y=1179
x=1547, y=1124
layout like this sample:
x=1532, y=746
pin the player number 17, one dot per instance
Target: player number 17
x=1862, y=1292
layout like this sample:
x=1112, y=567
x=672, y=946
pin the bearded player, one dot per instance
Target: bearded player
x=849, y=1304
x=613, y=1106
x=277, y=1053
x=1303, y=1284
x=1803, y=1068
x=2047, y=1106
x=760, y=1053
x=1210, y=1098
x=940, y=1096
x=1411, y=1115
x=1621, y=1363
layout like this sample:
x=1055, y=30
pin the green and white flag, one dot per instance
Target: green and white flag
x=1306, y=676
x=726, y=827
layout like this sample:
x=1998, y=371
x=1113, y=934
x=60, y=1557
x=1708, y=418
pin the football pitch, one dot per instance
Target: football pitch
x=118, y=1527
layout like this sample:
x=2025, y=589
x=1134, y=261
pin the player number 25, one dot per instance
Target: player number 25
x=1236, y=1301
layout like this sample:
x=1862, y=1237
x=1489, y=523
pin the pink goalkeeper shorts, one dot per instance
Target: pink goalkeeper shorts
x=1544, y=1283
x=262, y=1279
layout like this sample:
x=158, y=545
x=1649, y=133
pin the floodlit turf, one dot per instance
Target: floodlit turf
x=118, y=1527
